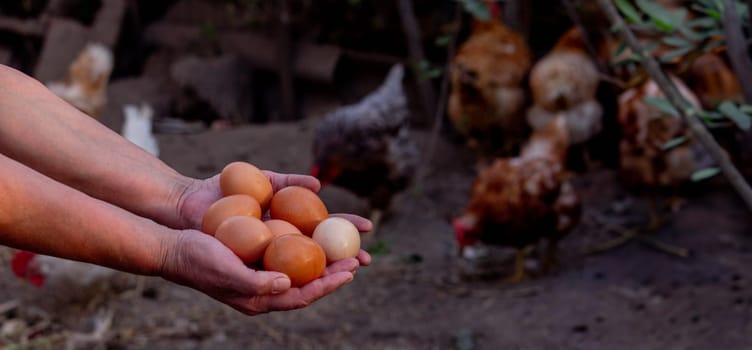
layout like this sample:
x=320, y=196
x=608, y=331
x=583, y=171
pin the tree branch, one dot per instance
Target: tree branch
x=736, y=47
x=680, y=103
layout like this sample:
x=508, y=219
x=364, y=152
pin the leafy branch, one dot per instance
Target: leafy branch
x=679, y=103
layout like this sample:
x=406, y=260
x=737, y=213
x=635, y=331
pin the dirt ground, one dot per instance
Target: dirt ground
x=418, y=295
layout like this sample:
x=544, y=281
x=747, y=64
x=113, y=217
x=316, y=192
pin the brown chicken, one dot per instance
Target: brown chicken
x=646, y=164
x=565, y=82
x=487, y=100
x=713, y=81
x=85, y=87
x=518, y=201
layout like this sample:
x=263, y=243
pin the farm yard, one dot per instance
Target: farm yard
x=210, y=72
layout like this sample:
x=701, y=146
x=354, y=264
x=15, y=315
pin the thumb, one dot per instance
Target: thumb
x=264, y=283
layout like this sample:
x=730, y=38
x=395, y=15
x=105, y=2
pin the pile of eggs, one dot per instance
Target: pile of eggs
x=299, y=240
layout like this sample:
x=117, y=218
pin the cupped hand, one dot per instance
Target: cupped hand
x=199, y=261
x=202, y=193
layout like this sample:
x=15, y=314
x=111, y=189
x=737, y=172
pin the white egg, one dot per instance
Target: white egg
x=339, y=238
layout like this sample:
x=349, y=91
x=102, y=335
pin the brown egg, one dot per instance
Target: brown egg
x=235, y=205
x=298, y=206
x=246, y=236
x=297, y=256
x=245, y=178
x=281, y=227
x=339, y=238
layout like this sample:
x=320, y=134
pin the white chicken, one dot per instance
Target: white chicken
x=42, y=270
x=564, y=82
x=85, y=86
x=137, y=127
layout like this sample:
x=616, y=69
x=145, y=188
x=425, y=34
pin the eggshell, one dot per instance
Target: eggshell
x=245, y=178
x=281, y=227
x=246, y=236
x=297, y=256
x=338, y=237
x=300, y=207
x=225, y=207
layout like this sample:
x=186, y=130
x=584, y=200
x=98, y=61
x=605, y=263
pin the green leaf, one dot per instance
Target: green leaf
x=443, y=40
x=629, y=11
x=730, y=110
x=673, y=143
x=662, y=104
x=658, y=14
x=620, y=49
x=712, y=45
x=705, y=22
x=476, y=8
x=704, y=174
x=746, y=108
x=426, y=70
x=690, y=34
x=709, y=115
x=672, y=55
x=676, y=41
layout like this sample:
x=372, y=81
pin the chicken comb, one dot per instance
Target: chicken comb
x=20, y=264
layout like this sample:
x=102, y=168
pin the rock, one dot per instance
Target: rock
x=224, y=83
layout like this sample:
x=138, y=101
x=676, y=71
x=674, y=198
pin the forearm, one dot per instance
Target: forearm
x=45, y=133
x=45, y=216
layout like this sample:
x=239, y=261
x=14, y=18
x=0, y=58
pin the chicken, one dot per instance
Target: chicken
x=646, y=131
x=138, y=127
x=85, y=86
x=42, y=270
x=518, y=201
x=646, y=165
x=713, y=81
x=565, y=82
x=63, y=282
x=366, y=147
x=487, y=100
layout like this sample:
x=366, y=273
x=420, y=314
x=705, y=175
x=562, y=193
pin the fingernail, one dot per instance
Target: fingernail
x=280, y=285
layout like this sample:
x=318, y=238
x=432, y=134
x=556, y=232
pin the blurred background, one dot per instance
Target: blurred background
x=536, y=183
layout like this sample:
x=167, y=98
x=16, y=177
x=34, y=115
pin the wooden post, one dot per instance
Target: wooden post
x=415, y=49
x=285, y=68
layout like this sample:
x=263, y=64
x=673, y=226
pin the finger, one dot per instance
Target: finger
x=363, y=224
x=263, y=283
x=344, y=265
x=280, y=181
x=363, y=258
x=297, y=298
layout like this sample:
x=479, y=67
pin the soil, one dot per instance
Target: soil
x=418, y=294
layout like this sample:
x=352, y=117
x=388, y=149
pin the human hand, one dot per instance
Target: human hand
x=197, y=260
x=202, y=193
